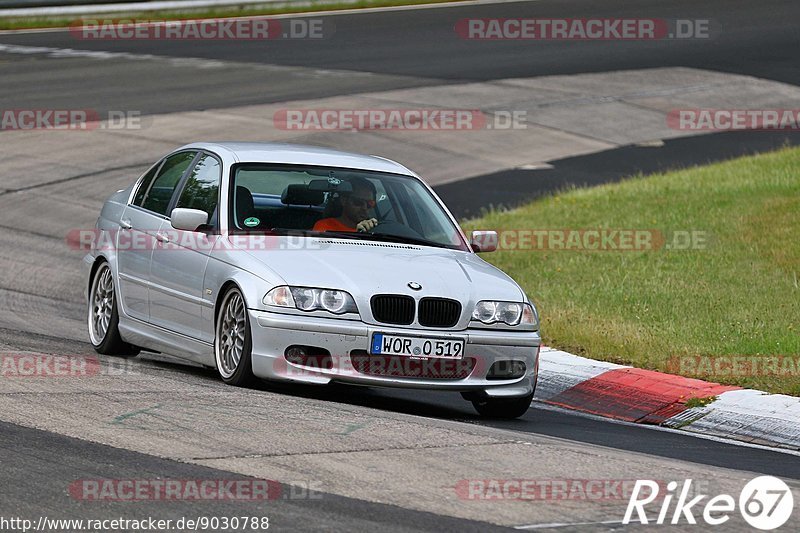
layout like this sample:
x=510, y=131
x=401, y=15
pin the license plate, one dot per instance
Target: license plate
x=383, y=344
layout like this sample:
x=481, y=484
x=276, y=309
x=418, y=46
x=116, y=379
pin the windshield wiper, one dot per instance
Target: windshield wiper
x=359, y=235
x=341, y=234
x=390, y=238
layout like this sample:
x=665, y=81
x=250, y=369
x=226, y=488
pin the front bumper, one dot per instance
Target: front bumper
x=348, y=341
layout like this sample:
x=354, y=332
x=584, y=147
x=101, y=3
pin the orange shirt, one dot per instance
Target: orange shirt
x=331, y=224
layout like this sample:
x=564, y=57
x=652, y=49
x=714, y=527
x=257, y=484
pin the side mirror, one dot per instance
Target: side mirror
x=188, y=219
x=483, y=241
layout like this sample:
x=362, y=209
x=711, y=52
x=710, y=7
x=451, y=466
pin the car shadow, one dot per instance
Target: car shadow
x=417, y=402
x=432, y=404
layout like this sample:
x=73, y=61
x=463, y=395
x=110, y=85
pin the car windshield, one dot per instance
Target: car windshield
x=344, y=203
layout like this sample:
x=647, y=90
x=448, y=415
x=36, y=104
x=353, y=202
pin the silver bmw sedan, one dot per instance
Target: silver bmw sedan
x=303, y=264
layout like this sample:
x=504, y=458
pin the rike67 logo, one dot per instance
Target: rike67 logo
x=765, y=503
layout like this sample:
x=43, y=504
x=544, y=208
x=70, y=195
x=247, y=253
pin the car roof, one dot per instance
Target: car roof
x=255, y=152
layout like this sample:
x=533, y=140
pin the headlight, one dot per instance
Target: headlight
x=334, y=301
x=485, y=312
x=530, y=317
x=509, y=313
x=280, y=297
x=305, y=299
x=311, y=299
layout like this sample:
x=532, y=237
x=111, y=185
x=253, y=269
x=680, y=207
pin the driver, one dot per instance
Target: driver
x=355, y=209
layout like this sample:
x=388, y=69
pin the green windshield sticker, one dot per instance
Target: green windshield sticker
x=252, y=222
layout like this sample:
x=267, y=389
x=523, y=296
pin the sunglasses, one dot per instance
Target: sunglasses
x=360, y=202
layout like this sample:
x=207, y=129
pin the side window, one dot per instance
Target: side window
x=145, y=185
x=202, y=186
x=160, y=194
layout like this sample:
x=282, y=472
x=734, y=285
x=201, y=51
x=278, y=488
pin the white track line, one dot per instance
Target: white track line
x=567, y=524
x=192, y=62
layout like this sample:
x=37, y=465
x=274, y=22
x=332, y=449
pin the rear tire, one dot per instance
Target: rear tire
x=506, y=408
x=103, y=316
x=233, y=343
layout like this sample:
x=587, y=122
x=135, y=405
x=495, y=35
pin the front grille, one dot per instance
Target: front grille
x=393, y=308
x=439, y=312
x=393, y=366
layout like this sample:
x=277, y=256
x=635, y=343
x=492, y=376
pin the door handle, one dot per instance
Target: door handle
x=125, y=224
x=161, y=237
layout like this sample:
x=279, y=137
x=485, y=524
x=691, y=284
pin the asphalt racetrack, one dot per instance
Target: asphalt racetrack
x=378, y=459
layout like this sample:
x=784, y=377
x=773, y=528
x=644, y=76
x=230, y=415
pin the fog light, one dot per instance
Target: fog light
x=506, y=370
x=309, y=356
x=296, y=351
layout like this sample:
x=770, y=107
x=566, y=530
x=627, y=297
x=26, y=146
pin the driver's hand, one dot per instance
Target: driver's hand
x=367, y=225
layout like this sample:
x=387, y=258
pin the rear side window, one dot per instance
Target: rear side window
x=160, y=193
x=202, y=186
x=145, y=185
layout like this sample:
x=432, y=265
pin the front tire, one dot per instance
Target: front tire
x=233, y=343
x=103, y=316
x=506, y=408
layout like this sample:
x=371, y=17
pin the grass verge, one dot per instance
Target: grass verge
x=727, y=310
x=21, y=23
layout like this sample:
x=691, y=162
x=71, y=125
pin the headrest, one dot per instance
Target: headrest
x=299, y=194
x=244, y=200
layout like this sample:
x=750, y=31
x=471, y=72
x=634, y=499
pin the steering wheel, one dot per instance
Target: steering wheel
x=396, y=229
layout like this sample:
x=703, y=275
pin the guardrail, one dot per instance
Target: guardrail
x=9, y=4
x=46, y=8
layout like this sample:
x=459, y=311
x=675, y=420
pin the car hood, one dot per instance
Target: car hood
x=364, y=268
